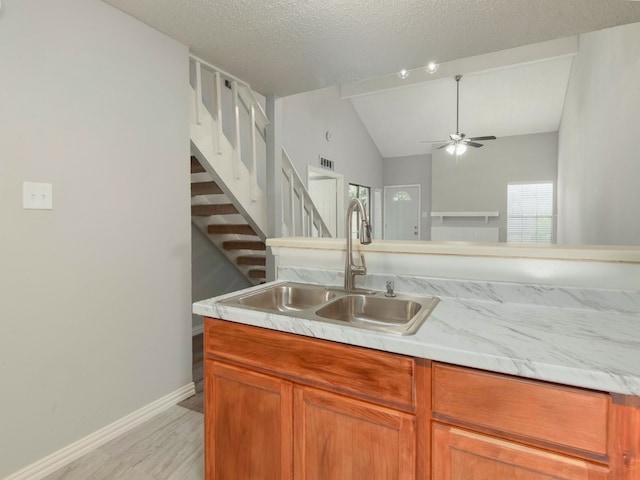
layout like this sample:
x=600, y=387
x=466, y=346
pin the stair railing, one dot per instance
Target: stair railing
x=300, y=216
x=241, y=97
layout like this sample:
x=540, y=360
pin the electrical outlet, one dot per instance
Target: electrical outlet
x=37, y=196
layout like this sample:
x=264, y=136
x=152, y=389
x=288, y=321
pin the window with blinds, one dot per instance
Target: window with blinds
x=530, y=212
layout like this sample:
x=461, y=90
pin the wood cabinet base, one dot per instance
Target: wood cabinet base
x=280, y=406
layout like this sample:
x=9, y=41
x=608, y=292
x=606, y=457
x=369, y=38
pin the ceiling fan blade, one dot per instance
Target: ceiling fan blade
x=445, y=145
x=433, y=141
x=491, y=137
x=472, y=144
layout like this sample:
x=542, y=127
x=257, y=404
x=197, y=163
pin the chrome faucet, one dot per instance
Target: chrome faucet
x=350, y=268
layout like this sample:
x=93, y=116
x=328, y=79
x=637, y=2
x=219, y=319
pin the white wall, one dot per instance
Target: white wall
x=598, y=162
x=477, y=180
x=306, y=117
x=411, y=170
x=212, y=274
x=95, y=317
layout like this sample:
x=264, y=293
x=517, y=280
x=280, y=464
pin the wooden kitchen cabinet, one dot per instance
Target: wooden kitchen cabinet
x=281, y=406
x=465, y=455
x=341, y=438
x=285, y=406
x=247, y=424
x=489, y=426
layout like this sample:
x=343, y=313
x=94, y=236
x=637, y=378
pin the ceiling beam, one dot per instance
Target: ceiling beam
x=537, y=52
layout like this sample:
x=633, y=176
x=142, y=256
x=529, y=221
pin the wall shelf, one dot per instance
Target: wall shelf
x=485, y=215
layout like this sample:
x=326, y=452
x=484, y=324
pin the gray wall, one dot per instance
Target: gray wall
x=212, y=274
x=411, y=170
x=477, y=180
x=598, y=162
x=95, y=311
x=306, y=117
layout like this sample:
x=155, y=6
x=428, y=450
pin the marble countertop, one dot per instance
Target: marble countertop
x=573, y=346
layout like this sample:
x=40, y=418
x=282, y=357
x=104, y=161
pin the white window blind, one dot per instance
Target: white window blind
x=377, y=213
x=530, y=212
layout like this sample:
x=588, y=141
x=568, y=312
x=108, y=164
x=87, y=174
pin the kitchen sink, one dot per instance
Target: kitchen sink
x=366, y=309
x=287, y=297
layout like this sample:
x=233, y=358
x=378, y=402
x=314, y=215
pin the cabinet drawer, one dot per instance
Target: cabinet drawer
x=379, y=377
x=460, y=453
x=521, y=408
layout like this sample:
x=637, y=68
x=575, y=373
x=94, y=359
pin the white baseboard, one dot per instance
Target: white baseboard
x=197, y=330
x=68, y=454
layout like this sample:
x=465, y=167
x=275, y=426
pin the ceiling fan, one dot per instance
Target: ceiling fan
x=459, y=142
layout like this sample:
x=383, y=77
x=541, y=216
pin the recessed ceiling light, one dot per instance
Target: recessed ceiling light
x=404, y=73
x=432, y=67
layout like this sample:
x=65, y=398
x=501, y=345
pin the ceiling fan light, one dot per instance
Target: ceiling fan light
x=451, y=149
x=461, y=148
x=432, y=67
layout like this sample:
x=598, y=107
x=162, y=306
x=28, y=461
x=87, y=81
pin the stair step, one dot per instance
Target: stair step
x=216, y=209
x=195, y=165
x=205, y=188
x=257, y=260
x=243, y=245
x=231, y=228
x=257, y=274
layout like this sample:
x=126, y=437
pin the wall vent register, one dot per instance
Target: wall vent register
x=326, y=163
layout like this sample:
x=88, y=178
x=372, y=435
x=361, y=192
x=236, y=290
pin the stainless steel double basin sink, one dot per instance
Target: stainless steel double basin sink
x=365, y=309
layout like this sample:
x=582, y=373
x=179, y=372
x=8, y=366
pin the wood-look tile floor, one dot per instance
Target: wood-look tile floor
x=196, y=402
x=170, y=446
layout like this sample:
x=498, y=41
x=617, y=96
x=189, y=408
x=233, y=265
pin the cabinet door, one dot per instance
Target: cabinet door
x=247, y=424
x=462, y=455
x=339, y=438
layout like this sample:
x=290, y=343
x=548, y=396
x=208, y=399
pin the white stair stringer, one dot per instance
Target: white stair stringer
x=238, y=189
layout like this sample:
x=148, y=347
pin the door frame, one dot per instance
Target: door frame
x=384, y=207
x=340, y=193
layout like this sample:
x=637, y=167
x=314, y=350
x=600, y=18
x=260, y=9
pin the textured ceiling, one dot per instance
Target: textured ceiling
x=288, y=46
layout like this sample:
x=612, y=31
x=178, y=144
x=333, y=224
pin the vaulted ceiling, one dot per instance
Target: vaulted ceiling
x=283, y=47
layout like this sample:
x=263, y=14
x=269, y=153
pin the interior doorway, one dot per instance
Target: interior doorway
x=402, y=212
x=327, y=192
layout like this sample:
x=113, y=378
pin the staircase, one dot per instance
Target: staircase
x=214, y=213
x=228, y=143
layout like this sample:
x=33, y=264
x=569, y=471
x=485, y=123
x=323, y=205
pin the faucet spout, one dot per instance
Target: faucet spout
x=350, y=268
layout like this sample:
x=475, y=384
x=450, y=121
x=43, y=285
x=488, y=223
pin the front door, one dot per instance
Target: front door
x=402, y=212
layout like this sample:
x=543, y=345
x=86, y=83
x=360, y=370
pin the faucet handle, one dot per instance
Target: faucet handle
x=363, y=263
x=390, y=287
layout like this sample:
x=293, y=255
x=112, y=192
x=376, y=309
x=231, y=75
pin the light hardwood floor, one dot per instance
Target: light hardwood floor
x=170, y=446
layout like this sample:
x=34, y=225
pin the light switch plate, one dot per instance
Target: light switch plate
x=37, y=196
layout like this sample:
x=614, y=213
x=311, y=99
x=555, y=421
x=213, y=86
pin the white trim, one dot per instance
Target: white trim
x=197, y=330
x=340, y=194
x=68, y=454
x=485, y=215
x=598, y=253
